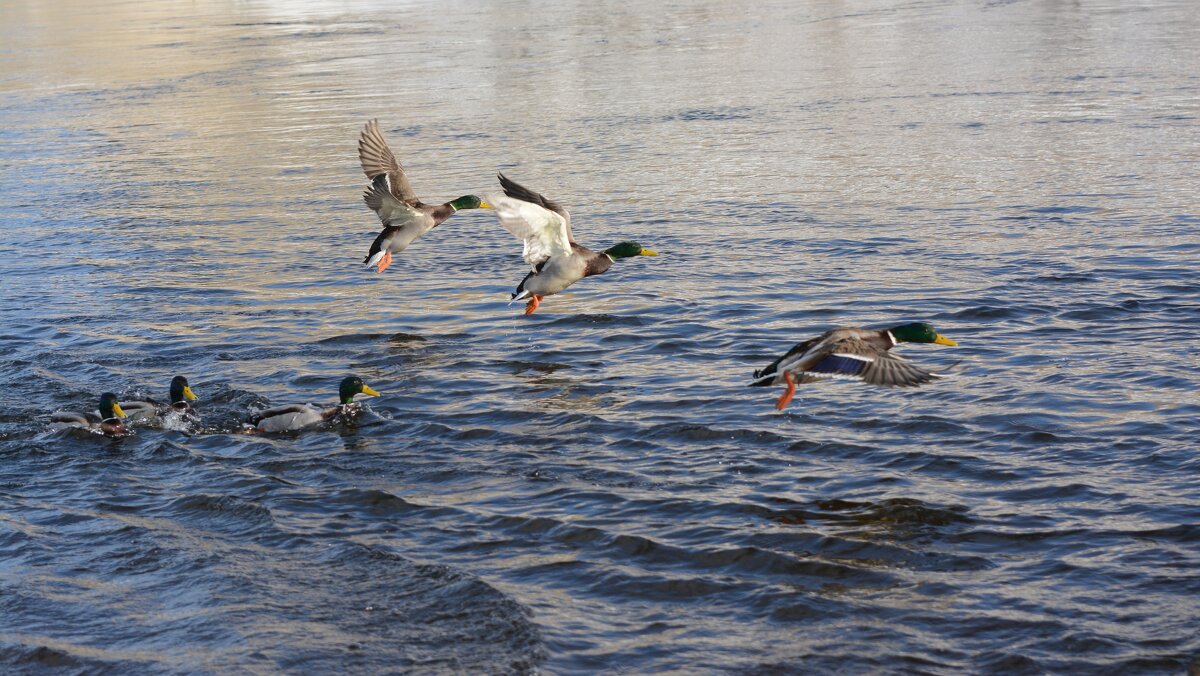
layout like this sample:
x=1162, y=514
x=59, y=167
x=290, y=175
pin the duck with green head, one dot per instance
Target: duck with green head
x=404, y=216
x=556, y=261
x=151, y=411
x=852, y=353
x=298, y=416
x=106, y=422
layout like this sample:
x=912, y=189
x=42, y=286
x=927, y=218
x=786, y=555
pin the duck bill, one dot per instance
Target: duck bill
x=369, y=392
x=942, y=340
x=485, y=205
x=117, y=410
x=647, y=252
x=189, y=394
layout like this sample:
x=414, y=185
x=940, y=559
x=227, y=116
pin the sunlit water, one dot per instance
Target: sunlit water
x=594, y=487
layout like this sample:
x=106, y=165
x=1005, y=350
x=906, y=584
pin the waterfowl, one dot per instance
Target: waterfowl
x=299, y=416
x=107, y=422
x=150, y=410
x=391, y=197
x=556, y=261
x=852, y=353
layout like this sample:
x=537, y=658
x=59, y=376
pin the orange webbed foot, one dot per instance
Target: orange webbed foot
x=534, y=302
x=384, y=262
x=786, y=398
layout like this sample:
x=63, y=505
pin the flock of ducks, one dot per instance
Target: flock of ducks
x=556, y=261
x=112, y=415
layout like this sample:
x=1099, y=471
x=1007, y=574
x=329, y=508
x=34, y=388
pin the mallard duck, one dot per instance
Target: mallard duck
x=107, y=422
x=556, y=261
x=299, y=416
x=150, y=410
x=404, y=216
x=852, y=353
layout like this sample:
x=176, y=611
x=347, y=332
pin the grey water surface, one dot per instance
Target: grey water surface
x=594, y=488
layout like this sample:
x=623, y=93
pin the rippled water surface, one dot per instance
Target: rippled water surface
x=594, y=487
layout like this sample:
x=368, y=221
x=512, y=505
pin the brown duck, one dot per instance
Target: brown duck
x=556, y=261
x=405, y=217
x=854, y=354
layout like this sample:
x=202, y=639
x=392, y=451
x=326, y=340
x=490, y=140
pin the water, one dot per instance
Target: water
x=593, y=487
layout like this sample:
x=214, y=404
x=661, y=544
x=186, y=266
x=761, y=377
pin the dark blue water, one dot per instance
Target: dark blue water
x=594, y=488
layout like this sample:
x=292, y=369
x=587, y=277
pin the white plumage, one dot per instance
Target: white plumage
x=545, y=233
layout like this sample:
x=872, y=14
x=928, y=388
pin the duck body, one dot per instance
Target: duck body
x=555, y=259
x=851, y=353
x=296, y=417
x=404, y=216
x=293, y=417
x=556, y=274
x=106, y=422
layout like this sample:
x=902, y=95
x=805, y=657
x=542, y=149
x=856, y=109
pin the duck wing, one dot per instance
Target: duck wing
x=377, y=160
x=391, y=210
x=517, y=191
x=856, y=359
x=891, y=370
x=545, y=231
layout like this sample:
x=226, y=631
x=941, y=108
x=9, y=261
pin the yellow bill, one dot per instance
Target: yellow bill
x=117, y=410
x=942, y=340
x=189, y=394
x=647, y=252
x=370, y=392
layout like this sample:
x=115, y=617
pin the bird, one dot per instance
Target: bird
x=556, y=261
x=391, y=197
x=298, y=416
x=851, y=353
x=149, y=410
x=106, y=422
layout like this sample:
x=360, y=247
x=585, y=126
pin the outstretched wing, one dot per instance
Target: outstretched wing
x=892, y=370
x=859, y=360
x=391, y=211
x=517, y=191
x=543, y=231
x=377, y=160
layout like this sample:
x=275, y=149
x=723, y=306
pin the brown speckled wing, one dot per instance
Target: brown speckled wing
x=377, y=160
x=891, y=370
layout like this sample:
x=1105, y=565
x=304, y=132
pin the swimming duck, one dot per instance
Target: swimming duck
x=556, y=261
x=299, y=416
x=852, y=353
x=404, y=216
x=107, y=422
x=150, y=410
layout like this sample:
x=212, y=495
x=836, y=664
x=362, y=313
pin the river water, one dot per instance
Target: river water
x=594, y=488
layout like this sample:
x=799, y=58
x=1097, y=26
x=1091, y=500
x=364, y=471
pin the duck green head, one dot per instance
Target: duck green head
x=180, y=391
x=469, y=202
x=919, y=332
x=352, y=385
x=109, y=408
x=628, y=250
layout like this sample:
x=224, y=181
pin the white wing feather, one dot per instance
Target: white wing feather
x=544, y=232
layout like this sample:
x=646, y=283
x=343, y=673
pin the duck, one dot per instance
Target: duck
x=555, y=259
x=150, y=410
x=298, y=416
x=852, y=353
x=404, y=216
x=106, y=422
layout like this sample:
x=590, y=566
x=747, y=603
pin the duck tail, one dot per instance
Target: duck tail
x=765, y=376
x=762, y=379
